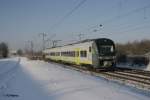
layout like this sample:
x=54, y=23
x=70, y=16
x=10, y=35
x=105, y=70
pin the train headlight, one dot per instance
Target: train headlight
x=114, y=57
x=100, y=57
x=107, y=63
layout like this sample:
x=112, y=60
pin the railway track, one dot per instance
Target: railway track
x=137, y=78
x=129, y=79
x=133, y=71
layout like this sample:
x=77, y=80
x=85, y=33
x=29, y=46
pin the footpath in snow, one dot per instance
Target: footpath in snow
x=37, y=80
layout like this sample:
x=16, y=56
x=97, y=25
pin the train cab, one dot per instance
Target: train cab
x=104, y=52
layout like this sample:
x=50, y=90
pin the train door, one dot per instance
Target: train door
x=77, y=56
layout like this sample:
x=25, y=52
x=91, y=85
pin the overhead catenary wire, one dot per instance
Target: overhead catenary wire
x=135, y=28
x=128, y=27
x=117, y=17
x=131, y=28
x=68, y=14
x=63, y=19
x=103, y=22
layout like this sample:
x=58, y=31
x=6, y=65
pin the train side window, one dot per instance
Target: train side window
x=57, y=53
x=83, y=53
x=73, y=53
x=90, y=49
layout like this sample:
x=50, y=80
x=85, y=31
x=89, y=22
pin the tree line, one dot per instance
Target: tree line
x=4, y=50
x=135, y=48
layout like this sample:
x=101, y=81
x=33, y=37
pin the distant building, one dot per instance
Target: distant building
x=13, y=53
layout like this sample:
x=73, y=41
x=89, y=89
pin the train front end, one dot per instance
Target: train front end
x=105, y=53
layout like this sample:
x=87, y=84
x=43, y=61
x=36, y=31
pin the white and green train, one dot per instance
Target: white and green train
x=98, y=53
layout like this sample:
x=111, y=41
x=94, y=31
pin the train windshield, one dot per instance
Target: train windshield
x=106, y=49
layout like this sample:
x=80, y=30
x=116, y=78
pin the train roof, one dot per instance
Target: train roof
x=88, y=40
x=83, y=41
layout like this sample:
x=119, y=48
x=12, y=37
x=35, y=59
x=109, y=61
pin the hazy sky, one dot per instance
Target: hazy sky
x=121, y=20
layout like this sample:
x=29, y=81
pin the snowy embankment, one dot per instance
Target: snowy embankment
x=38, y=80
x=7, y=67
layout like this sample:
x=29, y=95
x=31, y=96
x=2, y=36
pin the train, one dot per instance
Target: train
x=96, y=53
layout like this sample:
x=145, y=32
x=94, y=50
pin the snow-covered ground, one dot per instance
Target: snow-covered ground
x=37, y=80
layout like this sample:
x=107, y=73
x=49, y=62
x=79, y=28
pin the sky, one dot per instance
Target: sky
x=22, y=21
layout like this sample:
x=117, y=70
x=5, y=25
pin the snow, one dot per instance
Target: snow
x=38, y=80
x=7, y=67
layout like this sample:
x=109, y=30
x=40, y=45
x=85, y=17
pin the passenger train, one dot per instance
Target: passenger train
x=98, y=53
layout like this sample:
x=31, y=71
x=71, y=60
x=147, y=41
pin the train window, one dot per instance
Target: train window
x=68, y=53
x=90, y=49
x=73, y=53
x=83, y=53
x=57, y=53
x=52, y=53
x=62, y=53
x=106, y=49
